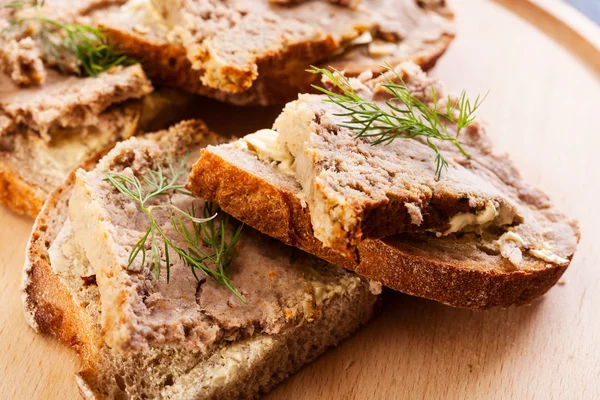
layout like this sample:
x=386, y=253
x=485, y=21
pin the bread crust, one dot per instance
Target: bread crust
x=247, y=196
x=19, y=195
x=451, y=283
x=48, y=303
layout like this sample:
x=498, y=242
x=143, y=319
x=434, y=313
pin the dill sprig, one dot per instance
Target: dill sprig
x=206, y=230
x=406, y=116
x=87, y=44
x=214, y=236
x=16, y=4
x=82, y=49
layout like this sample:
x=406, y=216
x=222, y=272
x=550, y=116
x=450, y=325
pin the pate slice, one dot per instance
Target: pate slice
x=356, y=189
x=281, y=289
x=69, y=101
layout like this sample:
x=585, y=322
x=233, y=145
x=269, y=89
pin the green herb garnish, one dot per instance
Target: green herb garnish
x=22, y=3
x=206, y=230
x=406, y=116
x=82, y=49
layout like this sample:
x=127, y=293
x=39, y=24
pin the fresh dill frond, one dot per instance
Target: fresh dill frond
x=82, y=49
x=213, y=234
x=16, y=4
x=205, y=230
x=87, y=44
x=406, y=116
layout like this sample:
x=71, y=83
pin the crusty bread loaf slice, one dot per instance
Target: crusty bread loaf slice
x=500, y=267
x=61, y=298
x=64, y=101
x=352, y=39
x=31, y=167
x=357, y=189
x=52, y=127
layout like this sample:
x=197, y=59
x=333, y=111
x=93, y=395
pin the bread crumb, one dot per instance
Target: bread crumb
x=141, y=29
x=416, y=218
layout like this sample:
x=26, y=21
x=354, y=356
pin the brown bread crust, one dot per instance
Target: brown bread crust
x=450, y=282
x=48, y=302
x=19, y=195
x=278, y=212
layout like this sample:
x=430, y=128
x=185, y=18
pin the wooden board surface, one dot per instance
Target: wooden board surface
x=544, y=83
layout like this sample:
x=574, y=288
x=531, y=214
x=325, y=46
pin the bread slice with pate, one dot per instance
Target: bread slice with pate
x=52, y=127
x=492, y=240
x=355, y=189
x=139, y=337
x=256, y=51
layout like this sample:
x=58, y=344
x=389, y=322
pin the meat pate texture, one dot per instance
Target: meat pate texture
x=69, y=101
x=355, y=189
x=540, y=238
x=282, y=289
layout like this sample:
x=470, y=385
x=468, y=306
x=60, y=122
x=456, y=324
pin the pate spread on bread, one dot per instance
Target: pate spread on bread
x=50, y=128
x=256, y=51
x=479, y=258
x=188, y=338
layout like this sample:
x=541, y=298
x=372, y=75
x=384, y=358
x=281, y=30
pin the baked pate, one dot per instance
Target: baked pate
x=306, y=305
x=138, y=311
x=355, y=189
x=485, y=263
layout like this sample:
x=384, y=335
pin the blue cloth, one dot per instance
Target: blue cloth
x=591, y=8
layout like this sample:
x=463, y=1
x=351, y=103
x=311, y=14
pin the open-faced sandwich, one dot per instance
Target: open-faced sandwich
x=396, y=180
x=53, y=112
x=164, y=296
x=256, y=51
x=181, y=265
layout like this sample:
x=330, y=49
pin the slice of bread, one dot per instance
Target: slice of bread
x=52, y=127
x=61, y=298
x=31, y=167
x=350, y=39
x=500, y=267
x=356, y=189
x=64, y=101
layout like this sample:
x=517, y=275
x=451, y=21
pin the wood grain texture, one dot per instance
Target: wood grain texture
x=544, y=83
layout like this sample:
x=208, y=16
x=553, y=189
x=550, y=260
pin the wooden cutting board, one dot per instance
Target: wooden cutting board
x=540, y=61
